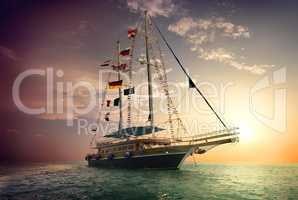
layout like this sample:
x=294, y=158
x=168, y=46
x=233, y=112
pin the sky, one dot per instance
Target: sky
x=242, y=54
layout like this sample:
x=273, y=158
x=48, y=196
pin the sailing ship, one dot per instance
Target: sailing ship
x=148, y=145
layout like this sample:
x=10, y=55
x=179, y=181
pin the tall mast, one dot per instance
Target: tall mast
x=120, y=92
x=151, y=115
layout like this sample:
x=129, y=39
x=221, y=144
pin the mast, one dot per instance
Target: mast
x=129, y=97
x=120, y=92
x=151, y=115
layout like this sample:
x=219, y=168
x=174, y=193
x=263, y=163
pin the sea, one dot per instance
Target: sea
x=75, y=180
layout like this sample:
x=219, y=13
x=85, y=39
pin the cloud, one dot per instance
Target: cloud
x=8, y=53
x=203, y=33
x=154, y=7
x=226, y=57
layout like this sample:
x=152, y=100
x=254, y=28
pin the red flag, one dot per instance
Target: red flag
x=131, y=33
x=115, y=67
x=125, y=52
x=120, y=67
x=123, y=66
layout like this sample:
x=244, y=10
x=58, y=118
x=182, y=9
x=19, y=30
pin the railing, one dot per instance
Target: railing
x=230, y=131
x=213, y=137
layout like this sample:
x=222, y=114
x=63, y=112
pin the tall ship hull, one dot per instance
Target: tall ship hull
x=156, y=161
x=150, y=153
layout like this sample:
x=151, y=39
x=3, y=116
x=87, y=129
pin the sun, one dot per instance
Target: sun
x=246, y=132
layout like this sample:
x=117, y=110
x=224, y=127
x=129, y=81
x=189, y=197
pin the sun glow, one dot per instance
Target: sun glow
x=246, y=132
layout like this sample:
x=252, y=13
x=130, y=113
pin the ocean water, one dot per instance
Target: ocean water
x=75, y=180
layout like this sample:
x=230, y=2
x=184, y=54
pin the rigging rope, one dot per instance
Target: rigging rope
x=188, y=76
x=169, y=99
x=99, y=113
x=161, y=73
